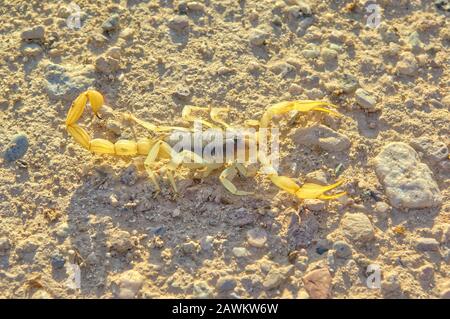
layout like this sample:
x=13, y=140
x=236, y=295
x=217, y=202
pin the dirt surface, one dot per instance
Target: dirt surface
x=65, y=211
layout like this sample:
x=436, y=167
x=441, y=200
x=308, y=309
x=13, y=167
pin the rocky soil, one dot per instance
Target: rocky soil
x=78, y=225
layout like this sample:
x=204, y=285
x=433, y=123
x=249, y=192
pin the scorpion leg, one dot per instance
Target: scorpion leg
x=149, y=162
x=226, y=178
x=215, y=113
x=186, y=114
x=152, y=127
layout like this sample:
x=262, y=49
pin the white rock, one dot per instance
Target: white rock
x=257, y=237
x=258, y=37
x=130, y=283
x=407, y=65
x=315, y=205
x=408, y=182
x=365, y=100
x=357, y=227
x=240, y=252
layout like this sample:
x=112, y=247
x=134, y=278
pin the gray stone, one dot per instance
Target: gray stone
x=315, y=205
x=427, y=244
x=182, y=92
x=365, y=100
x=190, y=248
x=206, y=243
x=31, y=49
x=407, y=64
x=111, y=24
x=323, y=137
x=17, y=148
x=273, y=280
x=329, y=54
x=58, y=261
x=342, y=249
x=179, y=23
x=357, y=227
x=5, y=245
x=202, y=290
x=349, y=83
x=34, y=33
x=257, y=237
x=130, y=283
x=258, y=37
x=240, y=252
x=225, y=284
x=434, y=151
x=408, y=183
x=107, y=64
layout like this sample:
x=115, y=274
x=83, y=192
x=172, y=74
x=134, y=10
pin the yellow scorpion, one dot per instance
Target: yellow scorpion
x=159, y=148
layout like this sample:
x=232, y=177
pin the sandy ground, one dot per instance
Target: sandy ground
x=65, y=212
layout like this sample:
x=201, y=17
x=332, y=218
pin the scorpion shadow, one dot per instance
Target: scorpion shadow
x=161, y=228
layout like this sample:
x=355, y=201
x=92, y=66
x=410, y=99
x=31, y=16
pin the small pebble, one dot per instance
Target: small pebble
x=407, y=64
x=111, y=24
x=258, y=37
x=34, y=33
x=58, y=261
x=328, y=54
x=31, y=49
x=342, y=249
x=225, y=284
x=240, y=252
x=427, y=244
x=182, y=92
x=206, y=243
x=196, y=6
x=357, y=227
x=257, y=237
x=179, y=23
x=365, y=100
x=382, y=208
x=17, y=148
x=130, y=283
x=4, y=244
x=315, y=205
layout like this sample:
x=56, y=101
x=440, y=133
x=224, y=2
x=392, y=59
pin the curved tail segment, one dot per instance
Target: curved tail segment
x=98, y=145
